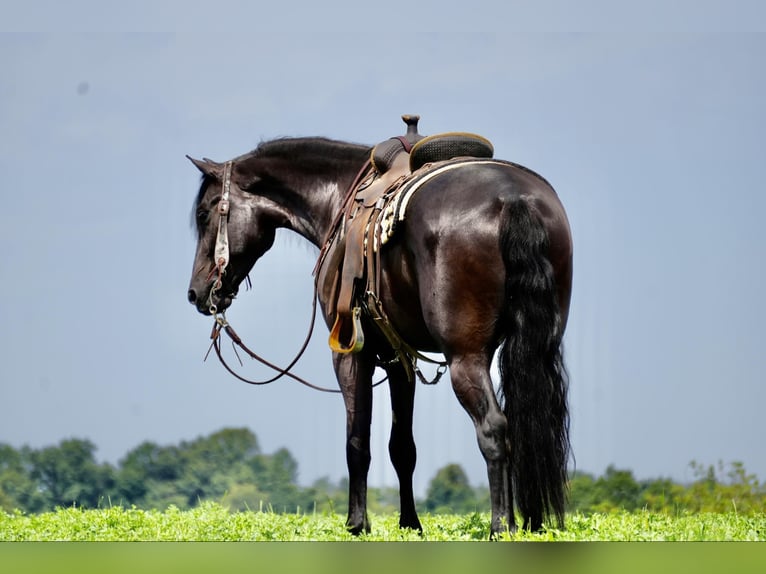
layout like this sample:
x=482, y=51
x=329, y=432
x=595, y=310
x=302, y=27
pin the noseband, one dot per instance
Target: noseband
x=221, y=252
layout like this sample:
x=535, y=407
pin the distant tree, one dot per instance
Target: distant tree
x=583, y=496
x=147, y=477
x=68, y=475
x=719, y=490
x=383, y=500
x=230, y=446
x=229, y=467
x=17, y=489
x=449, y=492
x=243, y=496
x=207, y=468
x=326, y=496
x=613, y=491
x=151, y=461
x=661, y=495
x=618, y=490
x=7, y=503
x=276, y=476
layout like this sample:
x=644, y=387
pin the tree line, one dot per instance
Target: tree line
x=229, y=467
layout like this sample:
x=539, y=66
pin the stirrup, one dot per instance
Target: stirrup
x=356, y=341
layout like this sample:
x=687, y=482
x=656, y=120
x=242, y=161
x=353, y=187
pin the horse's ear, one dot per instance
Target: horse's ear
x=206, y=166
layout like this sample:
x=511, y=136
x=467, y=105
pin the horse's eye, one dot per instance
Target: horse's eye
x=202, y=218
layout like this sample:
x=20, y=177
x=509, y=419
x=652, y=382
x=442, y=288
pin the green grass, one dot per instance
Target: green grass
x=213, y=522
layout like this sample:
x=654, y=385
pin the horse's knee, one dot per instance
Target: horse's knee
x=473, y=387
x=491, y=433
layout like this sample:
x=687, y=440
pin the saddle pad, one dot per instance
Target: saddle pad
x=395, y=210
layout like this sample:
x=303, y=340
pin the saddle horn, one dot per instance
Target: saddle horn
x=412, y=123
x=412, y=134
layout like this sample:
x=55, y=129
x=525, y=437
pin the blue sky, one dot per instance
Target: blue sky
x=647, y=118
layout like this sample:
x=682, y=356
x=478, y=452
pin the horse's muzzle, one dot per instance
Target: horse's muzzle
x=199, y=300
x=204, y=302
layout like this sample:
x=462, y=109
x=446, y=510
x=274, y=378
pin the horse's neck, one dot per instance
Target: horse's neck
x=319, y=201
x=308, y=202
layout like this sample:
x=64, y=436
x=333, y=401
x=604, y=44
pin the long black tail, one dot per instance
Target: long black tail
x=534, y=380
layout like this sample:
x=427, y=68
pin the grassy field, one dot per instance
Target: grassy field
x=213, y=522
x=212, y=526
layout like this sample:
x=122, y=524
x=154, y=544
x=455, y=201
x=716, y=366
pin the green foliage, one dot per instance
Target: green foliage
x=54, y=476
x=722, y=490
x=713, y=490
x=615, y=490
x=229, y=468
x=210, y=521
x=226, y=466
x=17, y=489
x=450, y=492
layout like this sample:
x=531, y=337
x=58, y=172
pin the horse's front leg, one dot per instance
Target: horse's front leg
x=354, y=372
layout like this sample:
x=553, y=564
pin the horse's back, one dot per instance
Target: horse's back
x=473, y=202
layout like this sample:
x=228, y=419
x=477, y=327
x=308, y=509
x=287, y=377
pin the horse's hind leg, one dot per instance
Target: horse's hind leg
x=354, y=374
x=473, y=386
x=401, y=445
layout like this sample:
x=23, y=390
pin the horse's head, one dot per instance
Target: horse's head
x=233, y=231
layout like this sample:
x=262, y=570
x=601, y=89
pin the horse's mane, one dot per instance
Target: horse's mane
x=309, y=149
x=313, y=155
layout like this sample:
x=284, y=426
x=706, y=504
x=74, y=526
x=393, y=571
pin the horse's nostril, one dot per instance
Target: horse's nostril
x=192, y=295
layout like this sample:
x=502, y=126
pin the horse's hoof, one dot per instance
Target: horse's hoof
x=358, y=529
x=495, y=532
x=412, y=525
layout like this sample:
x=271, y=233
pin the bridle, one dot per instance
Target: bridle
x=221, y=250
x=221, y=256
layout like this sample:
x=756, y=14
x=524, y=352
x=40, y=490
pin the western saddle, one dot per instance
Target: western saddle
x=348, y=269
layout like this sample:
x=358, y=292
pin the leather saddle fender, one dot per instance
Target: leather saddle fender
x=349, y=253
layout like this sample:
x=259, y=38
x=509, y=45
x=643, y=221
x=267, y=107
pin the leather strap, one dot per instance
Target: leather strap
x=221, y=254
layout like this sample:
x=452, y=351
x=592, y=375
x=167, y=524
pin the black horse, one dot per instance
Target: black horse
x=483, y=261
